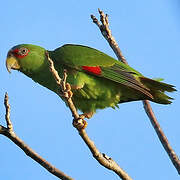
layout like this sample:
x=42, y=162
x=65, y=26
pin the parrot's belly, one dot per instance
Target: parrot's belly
x=97, y=93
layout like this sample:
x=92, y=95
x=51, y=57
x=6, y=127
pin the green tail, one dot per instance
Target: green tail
x=157, y=89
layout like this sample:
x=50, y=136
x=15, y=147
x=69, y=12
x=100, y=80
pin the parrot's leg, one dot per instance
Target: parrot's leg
x=87, y=115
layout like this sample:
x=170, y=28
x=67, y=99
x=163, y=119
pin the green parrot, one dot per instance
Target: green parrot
x=97, y=80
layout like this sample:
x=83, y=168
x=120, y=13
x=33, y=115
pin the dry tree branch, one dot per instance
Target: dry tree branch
x=9, y=133
x=106, y=32
x=64, y=87
x=80, y=125
x=164, y=141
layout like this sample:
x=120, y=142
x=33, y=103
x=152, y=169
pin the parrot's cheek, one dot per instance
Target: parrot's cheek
x=12, y=63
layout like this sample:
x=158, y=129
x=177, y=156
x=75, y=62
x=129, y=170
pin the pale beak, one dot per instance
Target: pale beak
x=12, y=63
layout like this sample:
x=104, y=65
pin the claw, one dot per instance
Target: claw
x=68, y=87
x=80, y=123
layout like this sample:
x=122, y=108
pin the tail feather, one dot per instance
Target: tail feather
x=158, y=89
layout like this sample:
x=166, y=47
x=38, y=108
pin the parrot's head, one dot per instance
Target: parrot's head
x=26, y=58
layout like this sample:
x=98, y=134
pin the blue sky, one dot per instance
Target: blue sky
x=148, y=33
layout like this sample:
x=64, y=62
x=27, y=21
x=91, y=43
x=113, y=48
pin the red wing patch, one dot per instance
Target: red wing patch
x=94, y=69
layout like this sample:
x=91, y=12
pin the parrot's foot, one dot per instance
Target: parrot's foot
x=68, y=90
x=67, y=93
x=86, y=115
x=80, y=123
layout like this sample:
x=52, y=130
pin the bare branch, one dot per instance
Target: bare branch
x=164, y=141
x=9, y=133
x=80, y=125
x=106, y=32
x=102, y=158
x=62, y=83
x=7, y=115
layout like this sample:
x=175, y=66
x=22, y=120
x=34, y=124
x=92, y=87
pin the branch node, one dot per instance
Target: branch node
x=106, y=157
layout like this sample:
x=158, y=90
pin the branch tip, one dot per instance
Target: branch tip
x=100, y=11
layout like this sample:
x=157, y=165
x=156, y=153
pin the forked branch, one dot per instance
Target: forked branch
x=106, y=32
x=80, y=125
x=9, y=133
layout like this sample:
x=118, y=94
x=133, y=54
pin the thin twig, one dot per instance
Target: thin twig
x=7, y=115
x=9, y=133
x=106, y=32
x=80, y=125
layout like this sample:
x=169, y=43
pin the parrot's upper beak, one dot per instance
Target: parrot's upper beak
x=11, y=62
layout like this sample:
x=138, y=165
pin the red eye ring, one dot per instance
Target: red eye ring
x=20, y=52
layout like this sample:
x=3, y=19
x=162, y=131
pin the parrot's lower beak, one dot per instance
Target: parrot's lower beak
x=12, y=63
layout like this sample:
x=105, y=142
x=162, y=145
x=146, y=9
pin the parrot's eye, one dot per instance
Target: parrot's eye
x=21, y=52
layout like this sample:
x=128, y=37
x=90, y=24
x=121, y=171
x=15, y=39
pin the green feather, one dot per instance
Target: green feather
x=117, y=82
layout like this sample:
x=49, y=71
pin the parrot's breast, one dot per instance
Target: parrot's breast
x=96, y=92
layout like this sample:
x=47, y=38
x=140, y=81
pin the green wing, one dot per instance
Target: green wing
x=77, y=56
x=128, y=78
